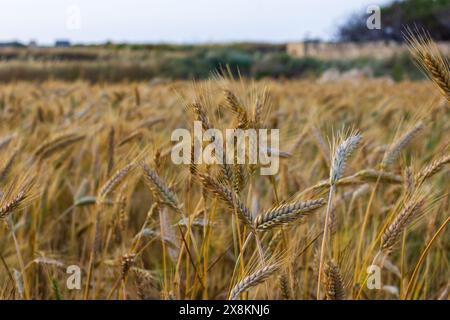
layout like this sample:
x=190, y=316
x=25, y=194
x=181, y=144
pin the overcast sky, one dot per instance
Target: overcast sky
x=180, y=21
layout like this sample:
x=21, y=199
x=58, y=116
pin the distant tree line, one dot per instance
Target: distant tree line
x=432, y=15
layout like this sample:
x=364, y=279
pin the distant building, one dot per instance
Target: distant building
x=62, y=43
x=353, y=50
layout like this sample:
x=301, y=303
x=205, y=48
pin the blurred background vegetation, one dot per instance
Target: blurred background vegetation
x=124, y=62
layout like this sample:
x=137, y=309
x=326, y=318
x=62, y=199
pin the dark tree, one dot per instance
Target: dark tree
x=432, y=15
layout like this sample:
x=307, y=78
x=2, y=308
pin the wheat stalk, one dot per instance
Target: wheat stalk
x=134, y=135
x=111, y=135
x=372, y=175
x=150, y=122
x=342, y=151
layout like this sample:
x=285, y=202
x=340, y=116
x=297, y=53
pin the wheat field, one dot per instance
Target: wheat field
x=87, y=180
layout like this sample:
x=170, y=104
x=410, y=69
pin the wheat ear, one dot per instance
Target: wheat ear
x=395, y=149
x=392, y=233
x=341, y=154
x=427, y=56
x=159, y=187
x=284, y=287
x=228, y=196
x=49, y=148
x=286, y=213
x=233, y=103
x=16, y=202
x=200, y=112
x=333, y=282
x=431, y=169
x=112, y=183
x=252, y=280
x=8, y=165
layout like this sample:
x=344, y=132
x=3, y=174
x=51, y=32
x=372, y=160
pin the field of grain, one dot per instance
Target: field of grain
x=87, y=182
